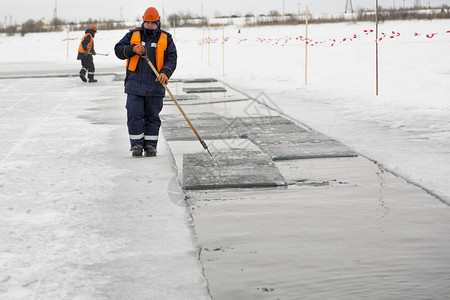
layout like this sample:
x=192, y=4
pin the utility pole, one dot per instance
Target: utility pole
x=55, y=15
x=348, y=5
x=122, y=19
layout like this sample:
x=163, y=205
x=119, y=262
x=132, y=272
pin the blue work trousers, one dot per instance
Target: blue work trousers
x=143, y=120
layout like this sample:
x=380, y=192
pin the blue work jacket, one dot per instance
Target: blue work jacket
x=142, y=82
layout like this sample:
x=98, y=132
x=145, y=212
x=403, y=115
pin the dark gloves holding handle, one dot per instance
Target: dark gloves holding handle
x=138, y=49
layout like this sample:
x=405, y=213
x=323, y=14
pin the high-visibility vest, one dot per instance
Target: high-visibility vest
x=161, y=48
x=89, y=45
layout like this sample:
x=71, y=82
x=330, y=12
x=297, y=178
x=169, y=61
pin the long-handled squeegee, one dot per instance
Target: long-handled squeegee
x=178, y=105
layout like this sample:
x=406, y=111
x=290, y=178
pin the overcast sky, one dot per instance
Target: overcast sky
x=71, y=10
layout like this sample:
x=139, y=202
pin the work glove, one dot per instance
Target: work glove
x=93, y=52
x=138, y=49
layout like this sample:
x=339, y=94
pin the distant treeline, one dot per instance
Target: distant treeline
x=272, y=18
x=59, y=24
x=361, y=15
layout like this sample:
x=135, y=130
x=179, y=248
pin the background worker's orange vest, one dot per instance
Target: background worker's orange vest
x=161, y=48
x=89, y=45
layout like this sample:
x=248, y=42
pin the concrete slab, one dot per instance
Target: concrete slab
x=213, y=132
x=226, y=94
x=231, y=169
x=199, y=80
x=295, y=137
x=250, y=126
x=175, y=80
x=197, y=100
x=283, y=139
x=182, y=97
x=264, y=120
x=249, y=130
x=209, y=125
x=212, y=89
x=324, y=149
x=192, y=116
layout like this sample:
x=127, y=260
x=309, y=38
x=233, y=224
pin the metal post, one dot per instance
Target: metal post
x=223, y=49
x=306, y=48
x=175, y=30
x=68, y=43
x=376, y=46
x=203, y=40
x=209, y=41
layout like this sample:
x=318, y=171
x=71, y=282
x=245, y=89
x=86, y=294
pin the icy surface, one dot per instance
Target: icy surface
x=80, y=218
x=73, y=210
x=351, y=231
x=405, y=128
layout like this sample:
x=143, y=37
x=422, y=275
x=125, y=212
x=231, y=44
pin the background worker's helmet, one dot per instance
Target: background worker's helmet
x=93, y=27
x=151, y=15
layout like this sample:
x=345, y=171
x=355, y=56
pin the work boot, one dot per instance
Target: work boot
x=93, y=80
x=150, y=151
x=83, y=77
x=136, y=152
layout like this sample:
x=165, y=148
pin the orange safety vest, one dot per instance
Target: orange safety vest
x=160, y=51
x=89, y=45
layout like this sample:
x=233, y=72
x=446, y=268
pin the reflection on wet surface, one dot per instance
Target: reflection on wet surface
x=365, y=235
x=342, y=227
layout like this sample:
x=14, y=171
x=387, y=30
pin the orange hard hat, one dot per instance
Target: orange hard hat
x=151, y=15
x=93, y=27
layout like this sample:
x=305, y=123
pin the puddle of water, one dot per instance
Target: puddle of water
x=369, y=235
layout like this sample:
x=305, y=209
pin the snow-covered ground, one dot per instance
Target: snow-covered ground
x=80, y=218
x=405, y=129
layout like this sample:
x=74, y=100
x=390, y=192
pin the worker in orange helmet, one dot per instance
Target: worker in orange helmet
x=85, y=52
x=144, y=89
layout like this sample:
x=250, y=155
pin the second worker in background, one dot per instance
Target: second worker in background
x=144, y=90
x=85, y=52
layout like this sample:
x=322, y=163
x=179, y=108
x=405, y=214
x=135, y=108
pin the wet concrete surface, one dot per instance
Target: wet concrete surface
x=181, y=97
x=230, y=169
x=342, y=227
x=199, y=80
x=213, y=89
x=283, y=139
x=210, y=126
